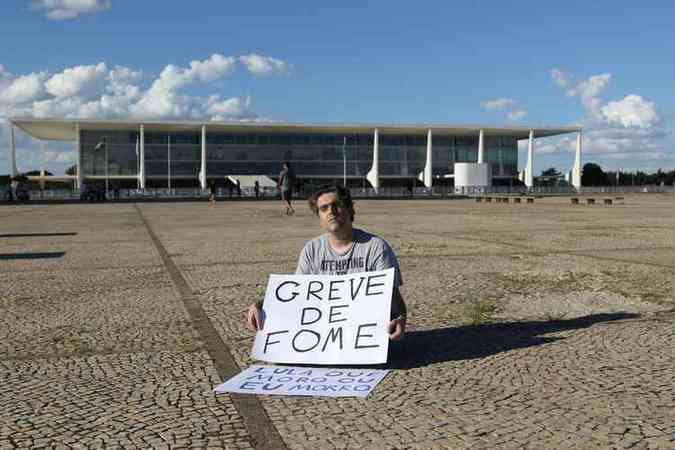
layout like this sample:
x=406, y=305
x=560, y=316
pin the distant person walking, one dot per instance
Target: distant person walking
x=256, y=189
x=13, y=188
x=9, y=194
x=285, y=185
x=212, y=192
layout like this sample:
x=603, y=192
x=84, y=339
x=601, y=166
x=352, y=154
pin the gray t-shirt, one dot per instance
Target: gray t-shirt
x=368, y=253
x=285, y=179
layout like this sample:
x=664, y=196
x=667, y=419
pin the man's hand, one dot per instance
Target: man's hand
x=254, y=318
x=396, y=329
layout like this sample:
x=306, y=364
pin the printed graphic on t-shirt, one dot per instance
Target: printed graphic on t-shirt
x=342, y=266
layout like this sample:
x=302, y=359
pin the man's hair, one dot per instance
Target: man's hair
x=343, y=197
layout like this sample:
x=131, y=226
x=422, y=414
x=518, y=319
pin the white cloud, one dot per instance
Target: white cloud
x=56, y=157
x=264, y=65
x=95, y=91
x=3, y=73
x=70, y=9
x=212, y=69
x=163, y=99
x=587, y=90
x=592, y=87
x=507, y=105
x=99, y=92
x=228, y=109
x=80, y=81
x=629, y=128
x=636, y=144
x=632, y=111
x=122, y=82
x=516, y=115
x=498, y=104
x=22, y=89
x=560, y=78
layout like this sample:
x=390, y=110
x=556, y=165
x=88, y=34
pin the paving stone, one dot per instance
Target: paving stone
x=96, y=348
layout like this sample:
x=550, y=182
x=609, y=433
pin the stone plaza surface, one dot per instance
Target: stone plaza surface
x=544, y=325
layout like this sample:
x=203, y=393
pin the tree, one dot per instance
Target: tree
x=593, y=175
x=551, y=172
x=72, y=170
x=549, y=177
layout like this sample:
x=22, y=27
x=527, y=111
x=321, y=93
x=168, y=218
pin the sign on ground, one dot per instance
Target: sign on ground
x=287, y=380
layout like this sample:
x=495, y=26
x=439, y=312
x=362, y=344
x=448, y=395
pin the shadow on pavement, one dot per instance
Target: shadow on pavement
x=42, y=255
x=14, y=235
x=421, y=348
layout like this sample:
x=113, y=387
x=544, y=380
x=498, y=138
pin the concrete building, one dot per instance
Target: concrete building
x=159, y=152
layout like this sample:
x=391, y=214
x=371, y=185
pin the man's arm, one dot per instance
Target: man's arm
x=384, y=260
x=398, y=308
x=254, y=316
x=399, y=314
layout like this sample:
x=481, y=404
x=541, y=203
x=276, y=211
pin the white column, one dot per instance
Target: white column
x=576, y=169
x=141, y=164
x=202, y=171
x=426, y=175
x=43, y=170
x=481, y=147
x=529, y=179
x=78, y=150
x=373, y=176
x=13, y=171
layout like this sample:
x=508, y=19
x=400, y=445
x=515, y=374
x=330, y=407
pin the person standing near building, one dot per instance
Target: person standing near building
x=13, y=188
x=256, y=189
x=212, y=192
x=9, y=195
x=343, y=249
x=285, y=186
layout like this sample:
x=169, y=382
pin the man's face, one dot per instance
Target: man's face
x=333, y=216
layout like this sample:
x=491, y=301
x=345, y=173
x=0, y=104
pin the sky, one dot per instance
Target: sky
x=606, y=66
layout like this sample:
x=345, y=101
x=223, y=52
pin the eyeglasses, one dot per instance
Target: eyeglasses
x=331, y=206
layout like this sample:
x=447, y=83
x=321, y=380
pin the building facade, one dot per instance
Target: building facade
x=156, y=152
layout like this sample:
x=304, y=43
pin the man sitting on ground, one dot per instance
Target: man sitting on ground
x=343, y=249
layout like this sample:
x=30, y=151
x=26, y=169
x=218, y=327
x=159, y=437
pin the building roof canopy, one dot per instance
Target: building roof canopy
x=64, y=129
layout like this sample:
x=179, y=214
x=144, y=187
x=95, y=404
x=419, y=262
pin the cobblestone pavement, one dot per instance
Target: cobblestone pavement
x=530, y=326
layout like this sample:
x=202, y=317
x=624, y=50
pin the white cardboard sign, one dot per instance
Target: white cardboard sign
x=287, y=380
x=326, y=319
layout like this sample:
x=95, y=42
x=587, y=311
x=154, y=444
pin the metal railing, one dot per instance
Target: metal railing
x=362, y=193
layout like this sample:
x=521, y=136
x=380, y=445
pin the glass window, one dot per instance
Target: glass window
x=310, y=154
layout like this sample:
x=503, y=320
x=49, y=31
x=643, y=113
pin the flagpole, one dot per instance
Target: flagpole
x=344, y=161
x=138, y=165
x=169, y=164
x=105, y=145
